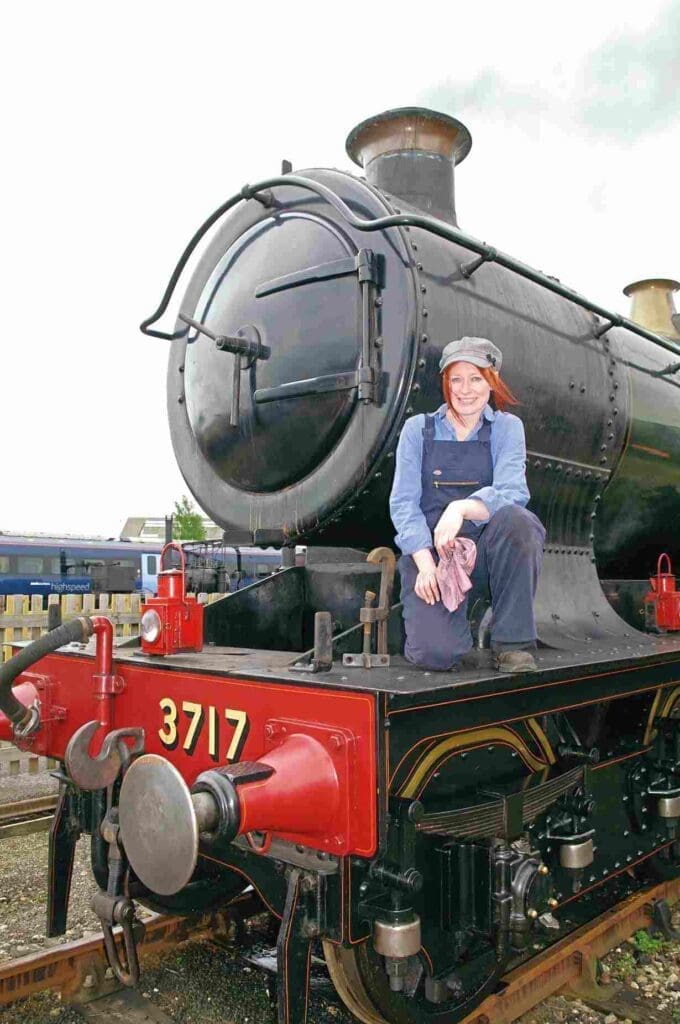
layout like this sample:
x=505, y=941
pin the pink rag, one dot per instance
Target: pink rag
x=453, y=572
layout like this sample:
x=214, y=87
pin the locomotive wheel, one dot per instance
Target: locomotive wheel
x=346, y=977
x=361, y=982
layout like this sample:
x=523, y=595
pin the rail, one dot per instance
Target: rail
x=570, y=966
x=26, y=817
x=486, y=254
x=79, y=970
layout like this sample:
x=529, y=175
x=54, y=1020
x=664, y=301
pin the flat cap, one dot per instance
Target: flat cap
x=478, y=351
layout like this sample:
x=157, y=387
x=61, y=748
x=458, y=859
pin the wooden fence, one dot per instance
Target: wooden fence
x=18, y=762
x=25, y=618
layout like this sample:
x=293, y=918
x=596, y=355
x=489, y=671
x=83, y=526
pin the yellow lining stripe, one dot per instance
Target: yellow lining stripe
x=453, y=743
x=543, y=740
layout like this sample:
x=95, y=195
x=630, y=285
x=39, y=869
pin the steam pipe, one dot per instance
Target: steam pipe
x=103, y=667
x=431, y=224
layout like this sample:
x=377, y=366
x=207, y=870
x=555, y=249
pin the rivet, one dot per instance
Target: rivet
x=423, y=289
x=378, y=301
x=615, y=411
x=426, y=312
x=612, y=398
x=586, y=475
x=181, y=399
x=419, y=266
x=616, y=386
x=422, y=363
x=181, y=368
x=610, y=423
x=572, y=384
x=409, y=411
x=603, y=460
x=423, y=339
x=603, y=447
x=415, y=387
x=582, y=389
x=415, y=247
x=610, y=437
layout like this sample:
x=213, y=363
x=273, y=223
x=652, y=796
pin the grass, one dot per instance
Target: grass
x=649, y=944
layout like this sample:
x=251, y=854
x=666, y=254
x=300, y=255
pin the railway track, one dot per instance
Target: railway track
x=79, y=970
x=24, y=817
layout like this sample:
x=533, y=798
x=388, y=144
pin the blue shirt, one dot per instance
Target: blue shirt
x=508, y=454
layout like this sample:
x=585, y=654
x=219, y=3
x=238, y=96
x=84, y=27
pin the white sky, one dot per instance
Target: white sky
x=125, y=124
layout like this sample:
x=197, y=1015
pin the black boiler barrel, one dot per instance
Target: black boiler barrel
x=310, y=460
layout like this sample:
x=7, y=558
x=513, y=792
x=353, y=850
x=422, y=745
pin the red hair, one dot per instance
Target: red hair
x=500, y=392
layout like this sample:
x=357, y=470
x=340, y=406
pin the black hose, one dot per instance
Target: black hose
x=76, y=630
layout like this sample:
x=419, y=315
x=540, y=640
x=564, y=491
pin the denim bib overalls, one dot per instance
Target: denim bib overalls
x=509, y=552
x=453, y=470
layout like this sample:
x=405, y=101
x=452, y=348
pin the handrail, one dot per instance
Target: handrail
x=261, y=192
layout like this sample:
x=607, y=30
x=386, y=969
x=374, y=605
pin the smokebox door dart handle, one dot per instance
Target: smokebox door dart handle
x=90, y=773
x=246, y=345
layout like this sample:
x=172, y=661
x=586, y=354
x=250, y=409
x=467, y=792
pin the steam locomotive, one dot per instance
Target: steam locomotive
x=429, y=829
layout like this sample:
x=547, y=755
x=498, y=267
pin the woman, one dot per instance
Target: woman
x=461, y=472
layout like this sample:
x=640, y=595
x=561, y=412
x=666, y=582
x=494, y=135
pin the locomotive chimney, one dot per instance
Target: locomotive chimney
x=411, y=153
x=652, y=305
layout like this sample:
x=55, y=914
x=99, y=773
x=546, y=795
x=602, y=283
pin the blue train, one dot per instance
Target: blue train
x=36, y=565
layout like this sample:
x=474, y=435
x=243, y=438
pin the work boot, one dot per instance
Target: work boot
x=514, y=661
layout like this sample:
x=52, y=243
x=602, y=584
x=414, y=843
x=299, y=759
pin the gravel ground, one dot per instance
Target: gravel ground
x=23, y=787
x=201, y=982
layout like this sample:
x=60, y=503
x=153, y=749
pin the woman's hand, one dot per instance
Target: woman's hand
x=426, y=586
x=452, y=519
x=448, y=528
